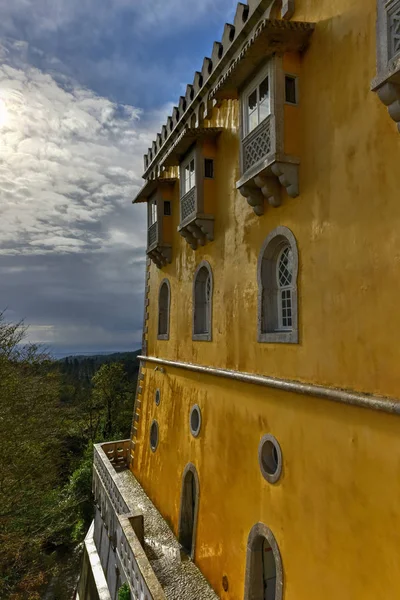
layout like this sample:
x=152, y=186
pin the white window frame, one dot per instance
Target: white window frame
x=269, y=320
x=283, y=288
x=153, y=211
x=254, y=85
x=192, y=177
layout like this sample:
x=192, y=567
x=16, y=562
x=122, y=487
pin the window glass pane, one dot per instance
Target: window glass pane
x=153, y=212
x=252, y=102
x=253, y=121
x=264, y=90
x=264, y=107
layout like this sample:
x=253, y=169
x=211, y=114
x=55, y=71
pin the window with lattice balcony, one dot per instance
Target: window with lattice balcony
x=265, y=166
x=196, y=175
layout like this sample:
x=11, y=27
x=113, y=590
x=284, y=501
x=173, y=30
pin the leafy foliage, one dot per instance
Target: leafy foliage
x=49, y=420
x=124, y=592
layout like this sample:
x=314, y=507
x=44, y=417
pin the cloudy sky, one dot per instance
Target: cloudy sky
x=84, y=87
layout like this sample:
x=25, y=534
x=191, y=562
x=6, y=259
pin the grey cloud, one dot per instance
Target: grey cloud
x=72, y=247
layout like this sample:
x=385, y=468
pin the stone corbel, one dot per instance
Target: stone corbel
x=206, y=226
x=161, y=255
x=269, y=187
x=389, y=95
x=288, y=175
x=254, y=198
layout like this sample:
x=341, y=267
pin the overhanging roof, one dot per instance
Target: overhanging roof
x=270, y=37
x=150, y=187
x=188, y=137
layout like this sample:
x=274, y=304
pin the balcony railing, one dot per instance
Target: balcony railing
x=188, y=204
x=257, y=144
x=152, y=234
x=120, y=523
x=131, y=542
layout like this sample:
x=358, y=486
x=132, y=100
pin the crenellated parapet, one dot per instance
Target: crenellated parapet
x=195, y=106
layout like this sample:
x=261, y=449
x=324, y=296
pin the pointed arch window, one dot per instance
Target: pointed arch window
x=277, y=288
x=164, y=301
x=202, y=303
x=264, y=573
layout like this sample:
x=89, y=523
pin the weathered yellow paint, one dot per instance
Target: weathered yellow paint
x=335, y=511
x=344, y=218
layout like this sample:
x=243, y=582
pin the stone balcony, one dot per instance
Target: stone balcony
x=195, y=227
x=129, y=541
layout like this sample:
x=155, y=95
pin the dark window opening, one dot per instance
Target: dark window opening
x=167, y=208
x=291, y=89
x=188, y=512
x=208, y=168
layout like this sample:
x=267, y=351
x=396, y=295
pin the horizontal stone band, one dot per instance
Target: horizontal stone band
x=380, y=403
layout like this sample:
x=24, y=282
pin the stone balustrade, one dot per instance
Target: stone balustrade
x=118, y=529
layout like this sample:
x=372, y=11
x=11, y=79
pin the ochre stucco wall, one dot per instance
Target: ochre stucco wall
x=346, y=222
x=335, y=511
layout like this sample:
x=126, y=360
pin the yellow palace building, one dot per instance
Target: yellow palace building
x=265, y=454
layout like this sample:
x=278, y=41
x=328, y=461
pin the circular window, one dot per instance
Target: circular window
x=270, y=458
x=154, y=436
x=195, y=420
x=157, y=397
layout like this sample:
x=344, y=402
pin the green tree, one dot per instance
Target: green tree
x=112, y=399
x=30, y=432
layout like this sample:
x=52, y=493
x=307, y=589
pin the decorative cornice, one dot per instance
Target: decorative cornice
x=194, y=106
x=379, y=403
x=271, y=36
x=150, y=187
x=182, y=144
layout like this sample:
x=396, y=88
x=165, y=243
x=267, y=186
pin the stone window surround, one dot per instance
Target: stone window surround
x=154, y=447
x=387, y=81
x=270, y=477
x=270, y=242
x=190, y=467
x=195, y=432
x=258, y=533
x=203, y=337
x=164, y=336
x=296, y=83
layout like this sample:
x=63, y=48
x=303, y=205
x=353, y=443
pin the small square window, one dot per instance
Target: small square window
x=208, y=168
x=167, y=208
x=291, y=89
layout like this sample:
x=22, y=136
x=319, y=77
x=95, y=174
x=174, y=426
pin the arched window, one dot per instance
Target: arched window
x=278, y=266
x=189, y=509
x=264, y=573
x=164, y=299
x=202, y=303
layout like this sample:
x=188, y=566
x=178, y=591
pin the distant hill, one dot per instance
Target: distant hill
x=84, y=367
